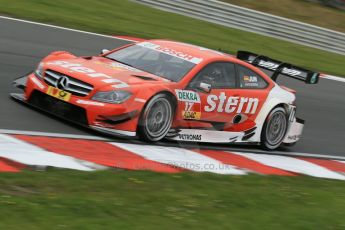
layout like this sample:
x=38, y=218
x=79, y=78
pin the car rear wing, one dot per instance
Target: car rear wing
x=279, y=67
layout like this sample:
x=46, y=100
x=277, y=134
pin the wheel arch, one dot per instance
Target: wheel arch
x=281, y=105
x=166, y=92
x=262, y=116
x=169, y=94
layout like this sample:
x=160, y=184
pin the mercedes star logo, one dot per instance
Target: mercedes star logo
x=62, y=83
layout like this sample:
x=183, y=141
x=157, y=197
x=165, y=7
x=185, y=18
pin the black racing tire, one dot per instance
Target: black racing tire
x=274, y=129
x=156, y=118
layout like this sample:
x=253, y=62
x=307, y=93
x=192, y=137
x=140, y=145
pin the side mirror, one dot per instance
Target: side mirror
x=104, y=51
x=205, y=87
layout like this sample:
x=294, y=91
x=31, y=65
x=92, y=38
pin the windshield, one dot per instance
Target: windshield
x=153, y=61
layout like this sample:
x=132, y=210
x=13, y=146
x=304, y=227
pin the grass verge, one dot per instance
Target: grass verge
x=124, y=17
x=305, y=11
x=63, y=199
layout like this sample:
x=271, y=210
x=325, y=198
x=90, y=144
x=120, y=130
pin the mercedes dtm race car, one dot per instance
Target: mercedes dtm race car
x=159, y=89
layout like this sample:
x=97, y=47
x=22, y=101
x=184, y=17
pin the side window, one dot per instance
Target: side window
x=249, y=79
x=219, y=75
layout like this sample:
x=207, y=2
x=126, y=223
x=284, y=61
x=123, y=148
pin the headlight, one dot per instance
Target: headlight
x=114, y=97
x=39, y=71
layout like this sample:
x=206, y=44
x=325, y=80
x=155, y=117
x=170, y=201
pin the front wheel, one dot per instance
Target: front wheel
x=156, y=118
x=274, y=129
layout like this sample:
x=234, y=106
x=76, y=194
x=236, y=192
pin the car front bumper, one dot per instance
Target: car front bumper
x=113, y=119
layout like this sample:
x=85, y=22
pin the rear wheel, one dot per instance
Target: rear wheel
x=156, y=118
x=274, y=129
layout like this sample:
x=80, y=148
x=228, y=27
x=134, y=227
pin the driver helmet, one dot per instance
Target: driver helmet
x=213, y=76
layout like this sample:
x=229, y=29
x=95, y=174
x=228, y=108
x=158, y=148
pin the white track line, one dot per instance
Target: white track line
x=25, y=153
x=333, y=78
x=293, y=165
x=325, y=76
x=294, y=154
x=96, y=138
x=63, y=28
x=62, y=135
x=181, y=158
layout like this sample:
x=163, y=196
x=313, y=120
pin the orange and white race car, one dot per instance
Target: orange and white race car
x=159, y=89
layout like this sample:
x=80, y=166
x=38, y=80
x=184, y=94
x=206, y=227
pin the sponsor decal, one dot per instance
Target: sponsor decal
x=59, y=94
x=85, y=102
x=250, y=78
x=187, y=96
x=192, y=108
x=37, y=82
x=249, y=84
x=268, y=65
x=294, y=137
x=190, y=137
x=117, y=66
x=200, y=48
x=231, y=104
x=250, y=81
x=202, y=135
x=172, y=52
x=191, y=115
x=273, y=66
x=90, y=72
x=291, y=72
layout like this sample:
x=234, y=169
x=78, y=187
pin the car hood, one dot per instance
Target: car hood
x=100, y=72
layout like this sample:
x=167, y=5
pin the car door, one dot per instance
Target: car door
x=199, y=105
x=253, y=89
x=230, y=100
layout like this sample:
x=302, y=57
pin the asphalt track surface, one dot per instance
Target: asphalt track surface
x=22, y=45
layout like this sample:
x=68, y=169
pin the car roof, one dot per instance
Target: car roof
x=185, y=49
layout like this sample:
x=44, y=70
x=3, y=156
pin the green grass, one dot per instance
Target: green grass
x=122, y=17
x=303, y=10
x=62, y=199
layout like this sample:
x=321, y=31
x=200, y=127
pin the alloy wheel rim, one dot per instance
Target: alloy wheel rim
x=276, y=128
x=158, y=118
